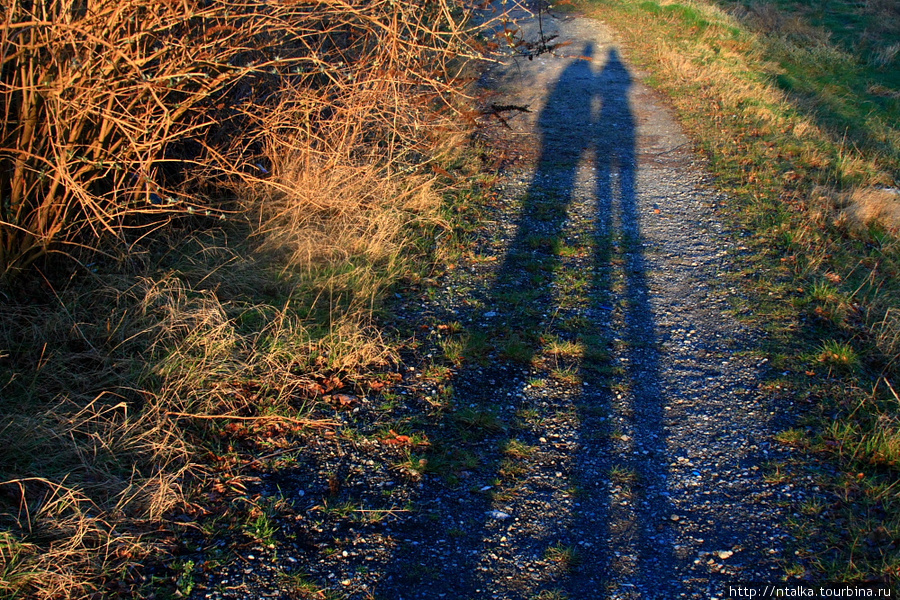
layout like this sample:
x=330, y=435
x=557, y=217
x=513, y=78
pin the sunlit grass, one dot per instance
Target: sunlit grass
x=797, y=104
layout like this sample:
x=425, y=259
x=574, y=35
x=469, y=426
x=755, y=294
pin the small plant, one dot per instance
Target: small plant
x=436, y=373
x=516, y=349
x=793, y=437
x=551, y=595
x=839, y=356
x=555, y=346
x=565, y=556
x=184, y=581
x=338, y=509
x=814, y=507
x=575, y=323
x=774, y=472
x=511, y=469
x=516, y=448
x=475, y=420
x=302, y=586
x=261, y=522
x=262, y=528
x=390, y=401
x=413, y=466
x=450, y=463
x=478, y=346
x=624, y=476
x=567, y=375
x=454, y=349
x=569, y=251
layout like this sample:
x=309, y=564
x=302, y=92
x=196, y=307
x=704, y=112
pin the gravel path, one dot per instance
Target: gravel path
x=611, y=438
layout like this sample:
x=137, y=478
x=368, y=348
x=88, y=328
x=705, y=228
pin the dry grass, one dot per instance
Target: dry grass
x=796, y=109
x=863, y=208
x=118, y=111
x=296, y=143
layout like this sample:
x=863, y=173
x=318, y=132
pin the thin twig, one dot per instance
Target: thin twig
x=314, y=423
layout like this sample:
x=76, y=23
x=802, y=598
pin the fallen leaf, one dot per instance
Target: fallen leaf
x=344, y=400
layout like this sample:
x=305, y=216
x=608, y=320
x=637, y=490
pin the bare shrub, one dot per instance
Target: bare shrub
x=115, y=110
x=310, y=126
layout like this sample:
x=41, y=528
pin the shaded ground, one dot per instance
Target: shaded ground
x=607, y=435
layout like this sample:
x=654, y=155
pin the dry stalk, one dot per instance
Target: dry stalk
x=115, y=112
x=317, y=119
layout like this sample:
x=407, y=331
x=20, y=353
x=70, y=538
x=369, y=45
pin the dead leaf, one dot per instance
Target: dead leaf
x=344, y=400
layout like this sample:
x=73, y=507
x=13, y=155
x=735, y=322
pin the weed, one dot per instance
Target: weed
x=390, y=401
x=515, y=448
x=775, y=473
x=813, y=507
x=567, y=375
x=575, y=323
x=262, y=528
x=436, y=373
x=302, y=586
x=185, y=577
x=338, y=510
x=413, y=466
x=793, y=437
x=838, y=356
x=454, y=349
x=516, y=348
x=555, y=346
x=624, y=476
x=478, y=347
x=511, y=469
x=875, y=441
x=565, y=556
x=482, y=421
x=551, y=595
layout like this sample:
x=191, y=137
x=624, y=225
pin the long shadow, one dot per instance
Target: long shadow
x=637, y=512
x=573, y=272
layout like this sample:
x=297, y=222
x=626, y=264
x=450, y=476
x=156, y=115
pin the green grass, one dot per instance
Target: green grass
x=797, y=105
x=624, y=476
x=565, y=556
x=517, y=449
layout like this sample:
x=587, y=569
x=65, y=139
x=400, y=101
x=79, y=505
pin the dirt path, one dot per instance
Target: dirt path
x=650, y=438
x=608, y=435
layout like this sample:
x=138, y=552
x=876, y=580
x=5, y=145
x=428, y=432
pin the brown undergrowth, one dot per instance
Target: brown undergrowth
x=235, y=188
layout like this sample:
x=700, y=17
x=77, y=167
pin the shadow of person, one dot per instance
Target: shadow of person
x=573, y=273
x=565, y=133
x=637, y=548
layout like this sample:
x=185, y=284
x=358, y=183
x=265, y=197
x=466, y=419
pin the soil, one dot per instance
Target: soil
x=608, y=433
